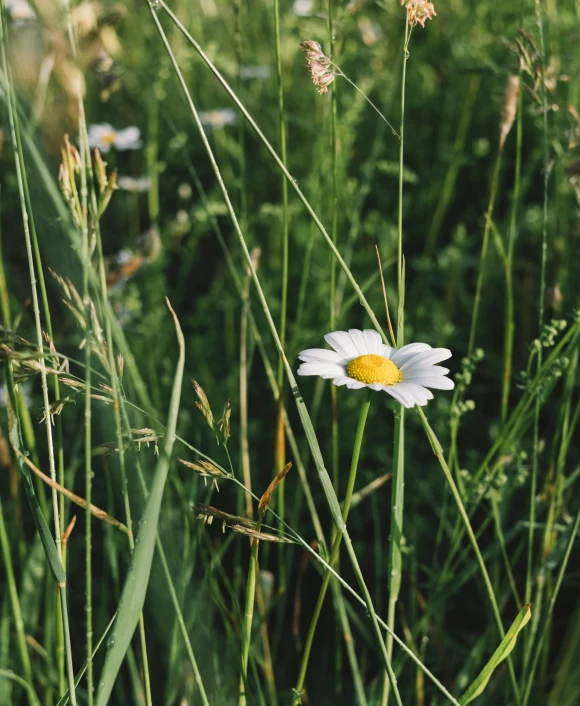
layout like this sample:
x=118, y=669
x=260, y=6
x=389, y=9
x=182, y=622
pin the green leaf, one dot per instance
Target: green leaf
x=135, y=587
x=506, y=646
x=15, y=439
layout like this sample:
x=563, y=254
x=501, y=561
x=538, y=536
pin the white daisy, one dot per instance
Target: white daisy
x=361, y=359
x=218, y=118
x=104, y=136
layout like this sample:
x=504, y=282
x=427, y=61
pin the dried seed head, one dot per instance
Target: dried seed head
x=319, y=65
x=120, y=364
x=204, y=468
x=203, y=404
x=225, y=422
x=509, y=109
x=100, y=170
x=419, y=11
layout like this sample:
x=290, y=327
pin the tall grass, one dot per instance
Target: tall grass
x=455, y=523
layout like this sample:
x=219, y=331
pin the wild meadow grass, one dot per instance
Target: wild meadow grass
x=192, y=196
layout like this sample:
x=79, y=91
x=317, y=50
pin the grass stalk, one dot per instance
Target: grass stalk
x=509, y=326
x=398, y=480
x=483, y=255
x=15, y=601
x=280, y=452
x=334, y=552
x=542, y=293
x=249, y=614
x=26, y=219
x=438, y=451
x=86, y=264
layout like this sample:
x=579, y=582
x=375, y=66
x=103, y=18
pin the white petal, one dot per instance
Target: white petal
x=341, y=380
x=415, y=368
x=413, y=394
x=355, y=384
x=128, y=139
x=387, y=352
x=436, y=382
x=420, y=394
x=374, y=341
x=430, y=357
x=402, y=355
x=342, y=344
x=321, y=355
x=324, y=370
x=359, y=341
x=396, y=392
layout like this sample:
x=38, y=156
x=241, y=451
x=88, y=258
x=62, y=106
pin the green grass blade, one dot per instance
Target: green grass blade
x=508, y=643
x=41, y=525
x=135, y=588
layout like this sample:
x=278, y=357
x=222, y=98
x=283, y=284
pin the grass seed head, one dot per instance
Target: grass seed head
x=203, y=404
x=319, y=65
x=509, y=109
x=419, y=11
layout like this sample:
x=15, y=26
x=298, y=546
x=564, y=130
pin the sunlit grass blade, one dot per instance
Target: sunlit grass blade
x=477, y=687
x=137, y=579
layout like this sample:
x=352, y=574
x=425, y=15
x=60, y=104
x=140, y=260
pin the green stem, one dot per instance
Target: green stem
x=542, y=292
x=483, y=256
x=27, y=220
x=15, y=601
x=438, y=451
x=398, y=481
x=86, y=263
x=249, y=615
x=509, y=298
x=547, y=618
x=335, y=549
x=280, y=454
x=112, y=370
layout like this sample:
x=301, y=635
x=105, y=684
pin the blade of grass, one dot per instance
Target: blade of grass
x=477, y=687
x=135, y=587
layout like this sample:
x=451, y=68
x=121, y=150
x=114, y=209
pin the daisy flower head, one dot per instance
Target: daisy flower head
x=104, y=136
x=361, y=359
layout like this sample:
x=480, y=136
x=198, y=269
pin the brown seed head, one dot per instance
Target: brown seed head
x=509, y=109
x=419, y=11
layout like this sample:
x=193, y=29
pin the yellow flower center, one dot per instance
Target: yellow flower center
x=372, y=368
x=109, y=138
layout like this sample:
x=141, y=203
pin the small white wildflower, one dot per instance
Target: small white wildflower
x=104, y=136
x=134, y=184
x=218, y=118
x=361, y=359
x=303, y=8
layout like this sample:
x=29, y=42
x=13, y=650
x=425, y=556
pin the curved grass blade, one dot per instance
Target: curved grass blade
x=478, y=685
x=137, y=579
x=15, y=439
x=33, y=699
